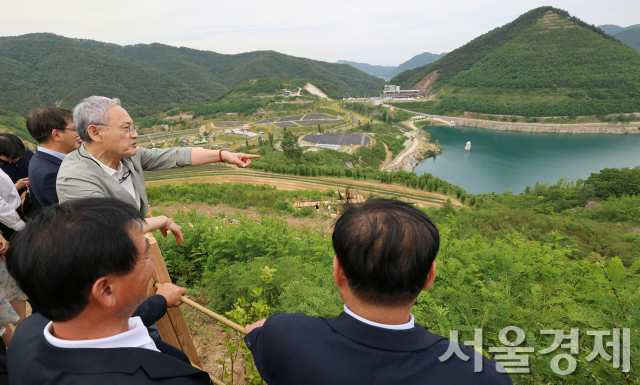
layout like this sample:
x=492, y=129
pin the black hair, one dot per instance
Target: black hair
x=11, y=146
x=65, y=248
x=386, y=249
x=43, y=120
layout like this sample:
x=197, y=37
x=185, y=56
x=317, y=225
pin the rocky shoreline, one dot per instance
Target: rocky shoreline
x=587, y=128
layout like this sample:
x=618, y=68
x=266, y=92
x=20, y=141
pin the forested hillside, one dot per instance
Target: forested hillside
x=416, y=61
x=545, y=63
x=387, y=72
x=42, y=69
x=628, y=35
x=375, y=70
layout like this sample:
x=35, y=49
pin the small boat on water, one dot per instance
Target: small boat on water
x=468, y=146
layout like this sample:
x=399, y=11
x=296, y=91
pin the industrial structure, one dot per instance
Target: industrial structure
x=395, y=93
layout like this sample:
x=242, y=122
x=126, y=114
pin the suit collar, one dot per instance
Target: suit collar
x=113, y=360
x=397, y=340
x=49, y=157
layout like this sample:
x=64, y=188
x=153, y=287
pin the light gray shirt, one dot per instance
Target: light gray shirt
x=80, y=176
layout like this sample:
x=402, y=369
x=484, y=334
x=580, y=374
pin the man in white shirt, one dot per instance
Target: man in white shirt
x=86, y=265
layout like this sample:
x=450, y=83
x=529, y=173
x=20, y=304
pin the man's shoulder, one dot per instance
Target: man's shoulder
x=32, y=360
x=43, y=163
x=74, y=164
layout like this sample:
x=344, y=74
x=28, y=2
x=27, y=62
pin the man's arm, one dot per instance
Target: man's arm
x=200, y=156
x=163, y=224
x=45, y=189
x=154, y=159
x=155, y=307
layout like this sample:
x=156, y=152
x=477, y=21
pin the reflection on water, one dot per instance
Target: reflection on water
x=511, y=160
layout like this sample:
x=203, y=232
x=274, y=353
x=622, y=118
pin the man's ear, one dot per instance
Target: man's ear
x=338, y=274
x=103, y=291
x=94, y=133
x=55, y=135
x=431, y=275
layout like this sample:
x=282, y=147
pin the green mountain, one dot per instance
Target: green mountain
x=375, y=70
x=613, y=30
x=40, y=69
x=544, y=63
x=416, y=61
x=387, y=72
x=630, y=37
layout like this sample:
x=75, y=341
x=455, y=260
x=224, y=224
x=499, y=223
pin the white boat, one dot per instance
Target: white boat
x=468, y=146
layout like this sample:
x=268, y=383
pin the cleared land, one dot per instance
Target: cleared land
x=221, y=174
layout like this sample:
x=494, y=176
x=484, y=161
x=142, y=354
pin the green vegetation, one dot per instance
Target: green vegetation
x=16, y=124
x=630, y=37
x=545, y=63
x=236, y=195
x=45, y=69
x=481, y=283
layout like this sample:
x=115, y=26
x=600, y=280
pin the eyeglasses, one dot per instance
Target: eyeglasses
x=131, y=128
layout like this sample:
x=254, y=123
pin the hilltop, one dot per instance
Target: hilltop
x=39, y=69
x=387, y=72
x=544, y=63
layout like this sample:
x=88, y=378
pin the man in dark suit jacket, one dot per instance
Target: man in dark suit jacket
x=385, y=252
x=86, y=265
x=53, y=129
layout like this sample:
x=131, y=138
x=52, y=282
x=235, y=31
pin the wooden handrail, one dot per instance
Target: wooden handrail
x=210, y=313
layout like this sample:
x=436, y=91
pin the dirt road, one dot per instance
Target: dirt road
x=400, y=157
x=388, y=159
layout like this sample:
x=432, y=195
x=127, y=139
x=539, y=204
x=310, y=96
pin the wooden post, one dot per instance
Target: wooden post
x=227, y=219
x=208, y=215
x=185, y=210
x=171, y=215
x=149, y=213
x=173, y=326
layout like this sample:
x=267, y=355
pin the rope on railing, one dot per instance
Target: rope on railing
x=208, y=312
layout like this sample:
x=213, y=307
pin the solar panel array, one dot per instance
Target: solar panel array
x=286, y=124
x=289, y=118
x=307, y=123
x=338, y=139
x=319, y=116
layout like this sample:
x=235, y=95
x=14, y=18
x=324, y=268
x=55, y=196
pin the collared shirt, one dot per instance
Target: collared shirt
x=9, y=202
x=408, y=325
x=136, y=337
x=57, y=154
x=117, y=175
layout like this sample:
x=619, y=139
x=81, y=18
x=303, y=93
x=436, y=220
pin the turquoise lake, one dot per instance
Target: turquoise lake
x=511, y=160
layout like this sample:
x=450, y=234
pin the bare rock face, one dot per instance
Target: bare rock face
x=590, y=206
x=425, y=84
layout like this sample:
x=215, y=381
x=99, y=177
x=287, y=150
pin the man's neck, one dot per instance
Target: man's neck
x=90, y=328
x=380, y=314
x=104, y=157
x=54, y=147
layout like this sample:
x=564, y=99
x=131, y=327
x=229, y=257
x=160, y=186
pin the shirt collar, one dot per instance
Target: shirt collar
x=137, y=336
x=106, y=168
x=57, y=154
x=408, y=325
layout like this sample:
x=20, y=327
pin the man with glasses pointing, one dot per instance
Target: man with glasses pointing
x=109, y=163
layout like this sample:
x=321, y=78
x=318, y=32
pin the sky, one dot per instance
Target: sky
x=376, y=32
